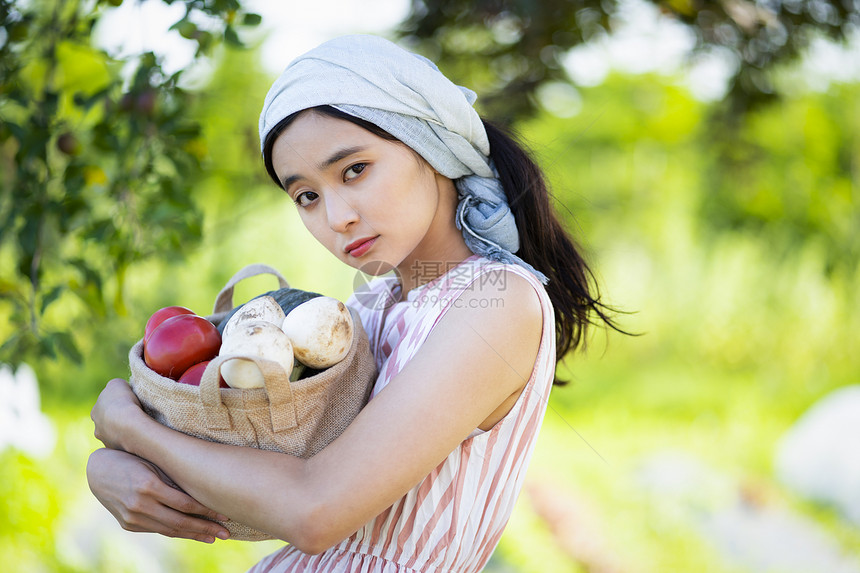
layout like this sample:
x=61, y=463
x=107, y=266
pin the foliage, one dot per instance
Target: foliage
x=245, y=218
x=642, y=146
x=506, y=50
x=98, y=172
x=791, y=173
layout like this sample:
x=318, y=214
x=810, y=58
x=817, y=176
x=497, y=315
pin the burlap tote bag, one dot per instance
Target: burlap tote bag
x=298, y=418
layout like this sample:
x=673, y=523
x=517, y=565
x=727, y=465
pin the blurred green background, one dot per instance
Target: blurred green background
x=727, y=226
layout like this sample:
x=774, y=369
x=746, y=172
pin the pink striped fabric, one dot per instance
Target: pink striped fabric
x=453, y=519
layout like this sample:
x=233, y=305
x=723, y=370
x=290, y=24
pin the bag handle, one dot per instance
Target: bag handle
x=282, y=409
x=224, y=300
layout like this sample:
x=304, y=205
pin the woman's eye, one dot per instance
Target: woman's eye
x=304, y=198
x=354, y=171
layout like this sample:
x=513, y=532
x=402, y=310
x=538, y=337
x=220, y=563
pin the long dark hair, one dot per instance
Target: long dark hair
x=544, y=243
x=547, y=246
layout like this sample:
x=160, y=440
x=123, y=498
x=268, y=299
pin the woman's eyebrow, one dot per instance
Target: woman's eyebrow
x=338, y=155
x=325, y=164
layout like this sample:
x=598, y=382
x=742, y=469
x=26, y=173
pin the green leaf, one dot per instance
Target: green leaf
x=6, y=224
x=47, y=346
x=80, y=68
x=104, y=137
x=10, y=349
x=252, y=19
x=28, y=235
x=87, y=102
x=186, y=28
x=99, y=230
x=52, y=295
x=65, y=344
x=18, y=132
x=232, y=38
x=205, y=41
x=33, y=74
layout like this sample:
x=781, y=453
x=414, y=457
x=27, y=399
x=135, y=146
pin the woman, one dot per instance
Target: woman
x=391, y=169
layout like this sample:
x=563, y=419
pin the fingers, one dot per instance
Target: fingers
x=145, y=515
x=135, y=494
x=172, y=511
x=147, y=524
x=174, y=498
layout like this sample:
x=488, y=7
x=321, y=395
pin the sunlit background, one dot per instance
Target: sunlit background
x=724, y=438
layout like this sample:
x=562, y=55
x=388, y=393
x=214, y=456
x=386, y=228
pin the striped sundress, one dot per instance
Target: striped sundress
x=453, y=519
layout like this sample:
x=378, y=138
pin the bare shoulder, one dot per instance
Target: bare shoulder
x=508, y=292
x=500, y=319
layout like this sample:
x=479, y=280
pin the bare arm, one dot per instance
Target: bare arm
x=473, y=361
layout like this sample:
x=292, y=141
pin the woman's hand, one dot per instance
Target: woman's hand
x=138, y=494
x=142, y=498
x=116, y=408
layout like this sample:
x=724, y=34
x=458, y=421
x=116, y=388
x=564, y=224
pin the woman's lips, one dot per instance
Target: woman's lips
x=358, y=248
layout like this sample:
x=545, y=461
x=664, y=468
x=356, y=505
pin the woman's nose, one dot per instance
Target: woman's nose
x=340, y=213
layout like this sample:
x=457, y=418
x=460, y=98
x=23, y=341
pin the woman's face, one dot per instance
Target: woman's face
x=374, y=203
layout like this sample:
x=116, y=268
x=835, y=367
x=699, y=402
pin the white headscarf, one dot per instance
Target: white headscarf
x=406, y=95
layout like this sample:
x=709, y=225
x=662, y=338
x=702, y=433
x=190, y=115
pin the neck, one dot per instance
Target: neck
x=443, y=248
x=420, y=271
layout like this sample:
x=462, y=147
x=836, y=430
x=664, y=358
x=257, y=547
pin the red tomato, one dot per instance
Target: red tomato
x=194, y=375
x=179, y=343
x=160, y=316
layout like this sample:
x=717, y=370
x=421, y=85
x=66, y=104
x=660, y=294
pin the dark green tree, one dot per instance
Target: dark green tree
x=758, y=182
x=508, y=48
x=96, y=173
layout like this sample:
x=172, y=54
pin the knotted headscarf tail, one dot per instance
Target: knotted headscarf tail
x=406, y=95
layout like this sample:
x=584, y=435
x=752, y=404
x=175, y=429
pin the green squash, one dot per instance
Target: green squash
x=288, y=298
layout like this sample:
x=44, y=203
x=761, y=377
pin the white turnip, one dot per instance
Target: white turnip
x=261, y=308
x=321, y=331
x=259, y=339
